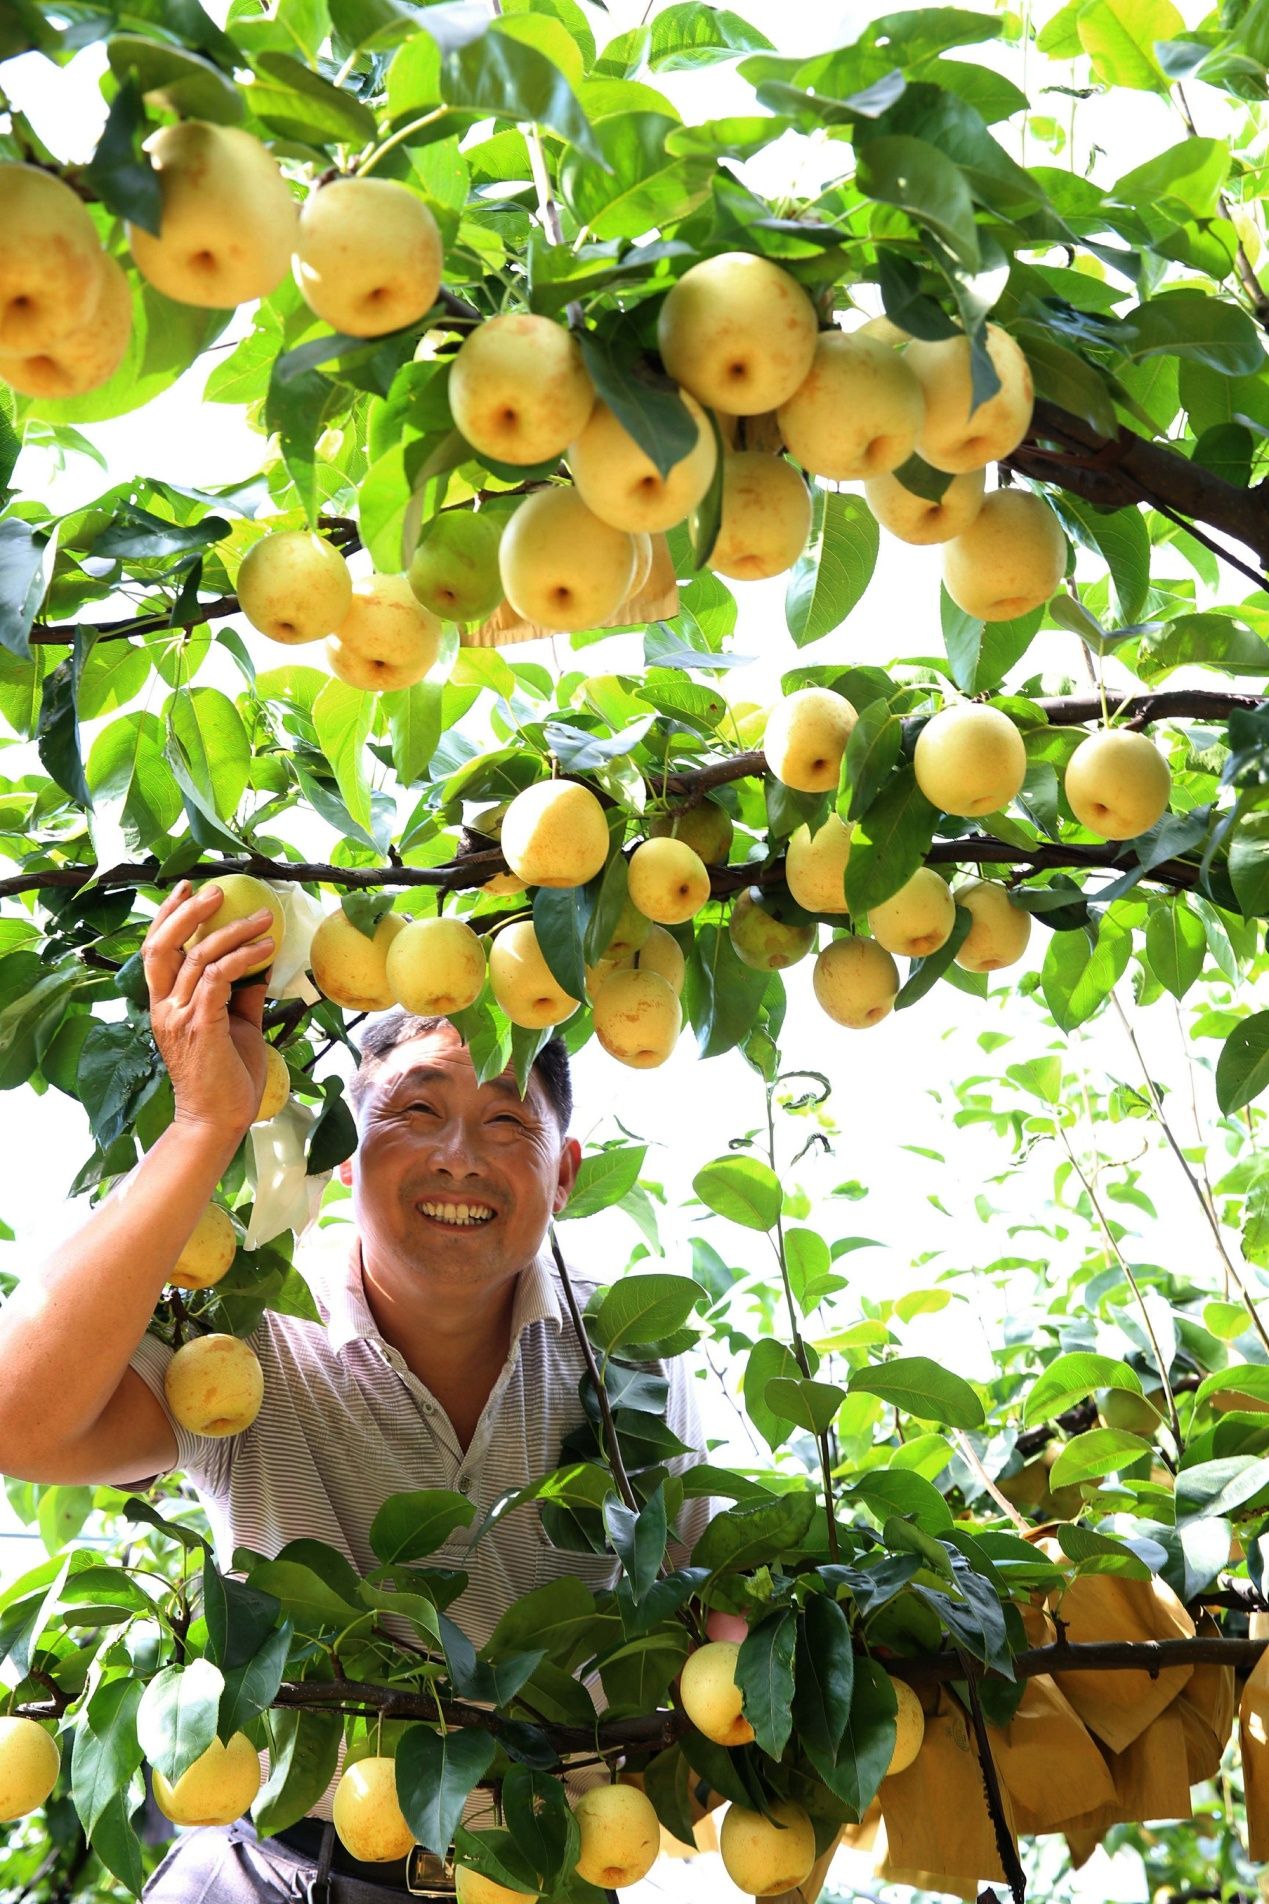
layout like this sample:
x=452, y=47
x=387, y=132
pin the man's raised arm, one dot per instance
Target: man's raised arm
x=71, y=1410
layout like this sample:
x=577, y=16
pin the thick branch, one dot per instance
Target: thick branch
x=1119, y=472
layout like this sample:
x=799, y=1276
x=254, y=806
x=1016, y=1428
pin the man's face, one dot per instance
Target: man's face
x=432, y=1141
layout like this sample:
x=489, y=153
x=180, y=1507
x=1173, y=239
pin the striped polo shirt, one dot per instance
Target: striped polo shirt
x=345, y=1423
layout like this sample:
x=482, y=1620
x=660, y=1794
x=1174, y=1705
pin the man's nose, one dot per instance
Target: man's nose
x=453, y=1149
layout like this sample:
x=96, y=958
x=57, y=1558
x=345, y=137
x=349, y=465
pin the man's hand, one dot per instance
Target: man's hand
x=209, y=1036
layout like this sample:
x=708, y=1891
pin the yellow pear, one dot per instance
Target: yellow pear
x=436, y=966
x=620, y=1834
x=242, y=895
x=368, y=258
x=350, y=969
x=228, y=223
x=748, y=723
x=909, y=1728
x=29, y=1765
x=668, y=882
x=277, y=1085
x=85, y=357
x=1117, y=783
x=294, y=586
x=969, y=759
x=502, y=883
x=706, y=828
x=766, y=1856
x=523, y=983
x=50, y=261
x=885, y=330
x=815, y=865
x=555, y=833
x=217, y=1788
x=561, y=566
x=915, y=519
x=660, y=952
x=470, y=1887
x=764, y=932
x=710, y=1696
x=623, y=486
x=367, y=1814
x=957, y=435
x=637, y=1016
x=518, y=389
x=856, y=981
x=387, y=638
x=806, y=737
x=454, y=569
x=858, y=411
x=1009, y=560
x=766, y=517
x=917, y=919
x=214, y=1385
x=738, y=332
x=1000, y=930
x=211, y=1248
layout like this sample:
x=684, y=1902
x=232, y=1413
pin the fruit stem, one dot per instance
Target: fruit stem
x=799, y=1346
x=611, y=1446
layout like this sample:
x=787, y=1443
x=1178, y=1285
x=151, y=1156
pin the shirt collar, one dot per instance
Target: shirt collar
x=349, y=1316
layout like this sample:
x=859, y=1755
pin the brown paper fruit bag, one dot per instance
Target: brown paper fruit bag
x=1049, y=1761
x=1119, y=1706
x=935, y=1813
x=1151, y=1779
x=1253, y=1740
x=1207, y=1707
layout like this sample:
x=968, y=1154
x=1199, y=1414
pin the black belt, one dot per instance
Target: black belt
x=419, y=1874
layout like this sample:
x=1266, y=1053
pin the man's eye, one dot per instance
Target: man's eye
x=418, y=1107
x=508, y=1117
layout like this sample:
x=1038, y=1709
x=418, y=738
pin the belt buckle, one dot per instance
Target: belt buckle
x=422, y=1873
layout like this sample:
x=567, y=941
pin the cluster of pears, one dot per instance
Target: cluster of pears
x=365, y=253
x=65, y=306
x=296, y=587
x=768, y=1856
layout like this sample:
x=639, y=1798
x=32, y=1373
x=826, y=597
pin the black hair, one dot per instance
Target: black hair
x=398, y=1027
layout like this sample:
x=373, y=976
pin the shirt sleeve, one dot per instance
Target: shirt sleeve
x=205, y=1459
x=683, y=1418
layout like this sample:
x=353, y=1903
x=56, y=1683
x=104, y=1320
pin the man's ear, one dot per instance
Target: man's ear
x=346, y=1173
x=570, y=1164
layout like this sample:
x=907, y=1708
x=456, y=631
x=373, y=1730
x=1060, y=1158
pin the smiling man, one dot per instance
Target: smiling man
x=445, y=1357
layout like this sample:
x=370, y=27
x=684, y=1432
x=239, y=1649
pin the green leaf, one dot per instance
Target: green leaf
x=1119, y=37
x=408, y=1526
x=809, y=1405
x=1075, y=982
x=541, y=1823
x=638, y=1540
x=297, y=103
x=414, y=725
x=922, y=1388
x=872, y=753
x=176, y=1716
x=333, y=1137
x=119, y=171
x=343, y=717
x=303, y=1748
x=605, y=1177
x=21, y=583
x=1212, y=1488
x=825, y=1662
x=889, y=842
x=1242, y=1070
x=1101, y=1451
x=1184, y=182
x=755, y=1533
x=1070, y=1378
x=688, y=36
x=834, y=569
x=217, y=749
x=914, y=175
x=560, y=917
x=500, y=77
x=1190, y=324
x=742, y=1189
x=722, y=996
x=107, y=1749
x=251, y=1688
x=1176, y=945
x=645, y=1306
x=644, y=401
x=768, y=1360
x=867, y=1744
x=643, y=185
x=436, y=1774
x=58, y=736
x=764, y=1673
x=182, y=82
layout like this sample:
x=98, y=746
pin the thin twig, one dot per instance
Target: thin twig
x=1005, y=1843
x=612, y=1447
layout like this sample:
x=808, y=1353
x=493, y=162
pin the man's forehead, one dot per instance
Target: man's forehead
x=434, y=1055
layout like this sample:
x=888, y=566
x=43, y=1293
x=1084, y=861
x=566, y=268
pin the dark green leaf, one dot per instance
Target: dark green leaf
x=834, y=569
x=436, y=1774
x=922, y=1388
x=408, y=1526
x=643, y=399
x=1242, y=1070
x=503, y=78
x=119, y=171
x=764, y=1673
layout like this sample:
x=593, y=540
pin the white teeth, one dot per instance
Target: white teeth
x=461, y=1213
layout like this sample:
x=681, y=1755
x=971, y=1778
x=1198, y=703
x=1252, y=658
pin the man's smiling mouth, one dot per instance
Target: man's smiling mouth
x=457, y=1215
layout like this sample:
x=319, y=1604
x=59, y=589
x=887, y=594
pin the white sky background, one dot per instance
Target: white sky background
x=892, y=1084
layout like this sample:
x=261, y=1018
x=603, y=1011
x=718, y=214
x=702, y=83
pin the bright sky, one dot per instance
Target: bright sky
x=891, y=1085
